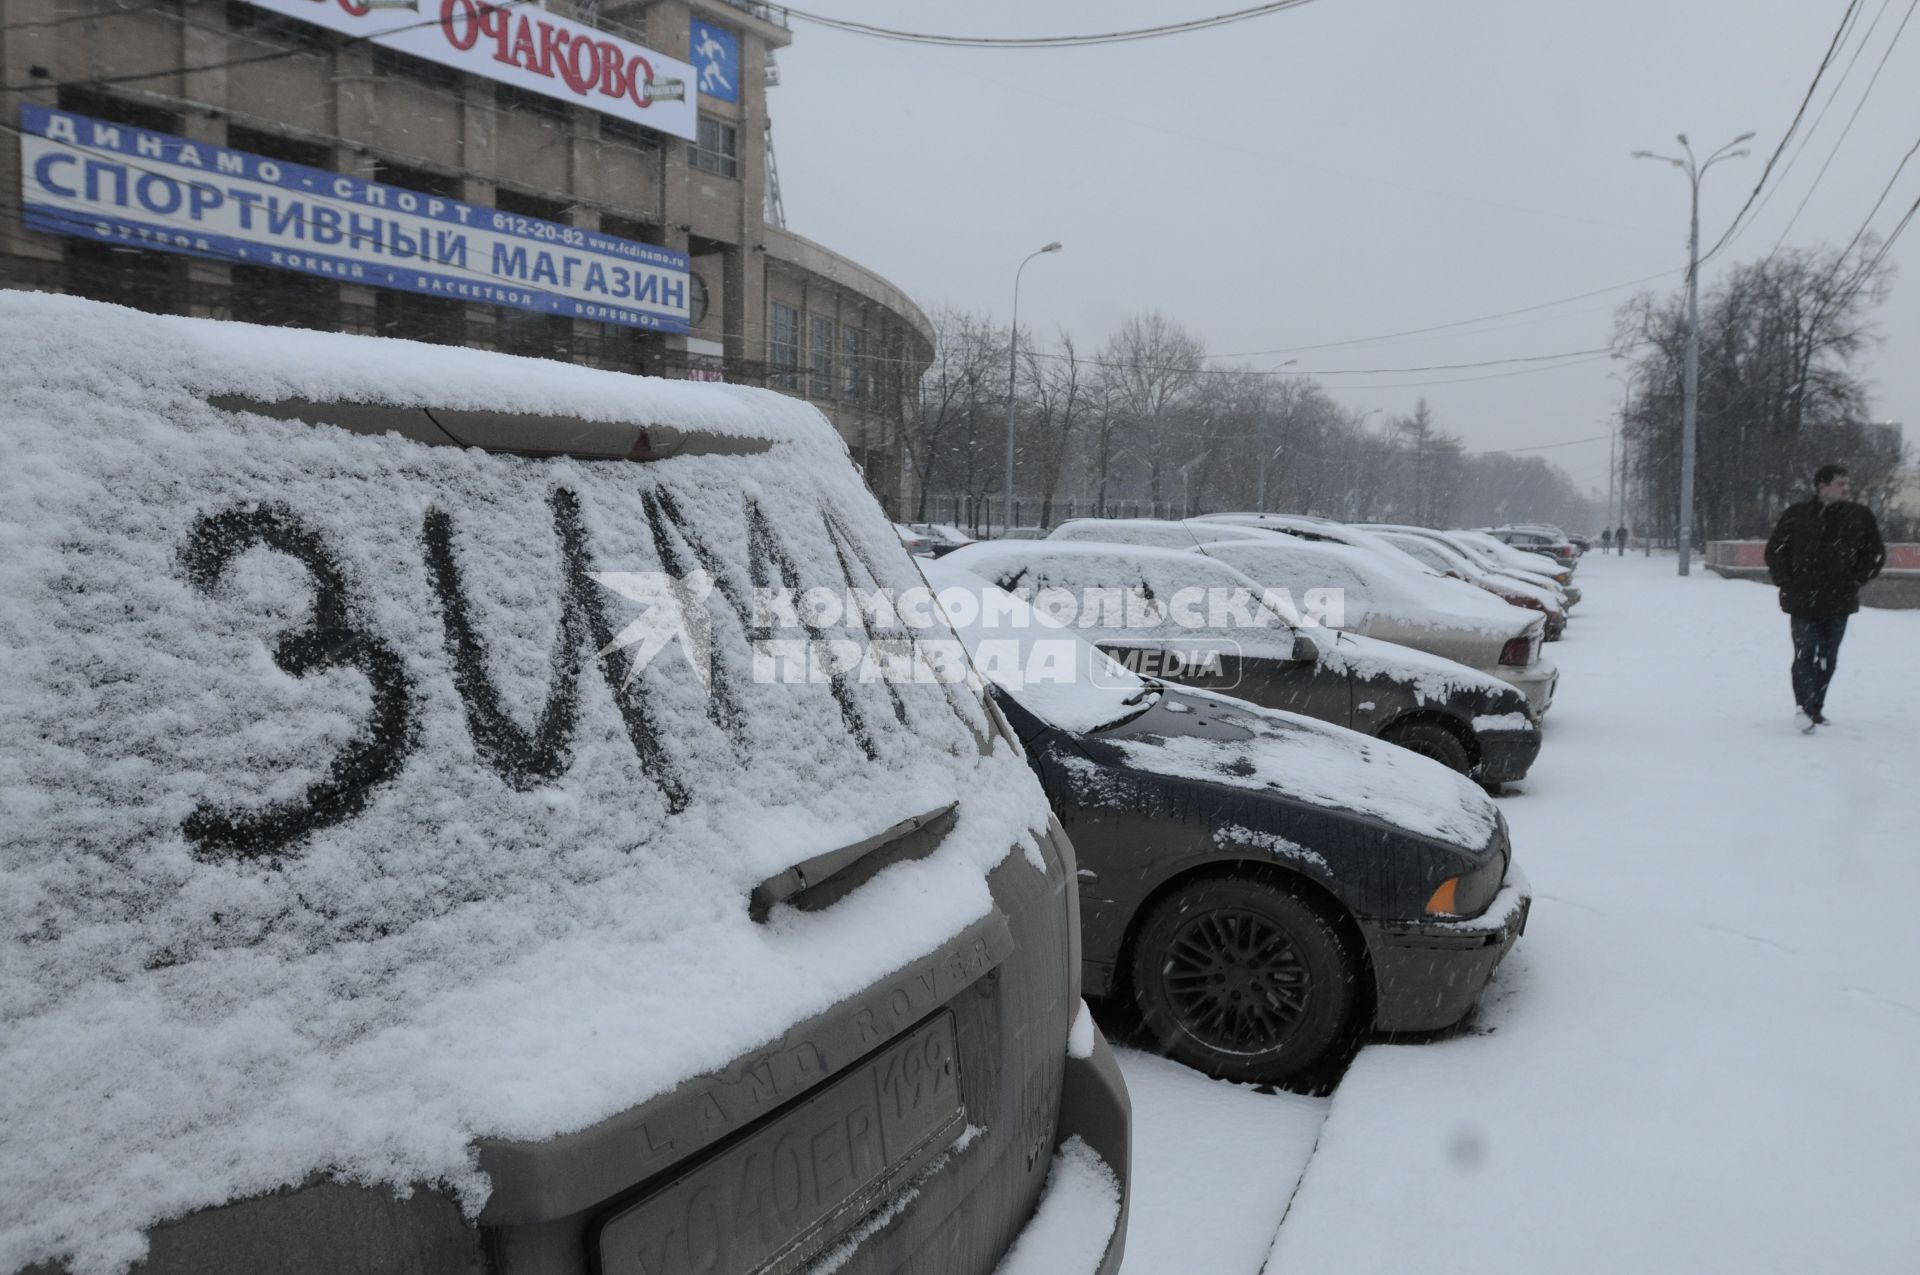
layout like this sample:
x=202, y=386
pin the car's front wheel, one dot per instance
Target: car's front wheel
x=1243, y=980
x=1430, y=739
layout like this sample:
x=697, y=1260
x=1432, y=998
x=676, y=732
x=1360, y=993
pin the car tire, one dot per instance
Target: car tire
x=1243, y=980
x=1430, y=739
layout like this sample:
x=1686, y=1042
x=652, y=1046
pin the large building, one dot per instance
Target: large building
x=587, y=180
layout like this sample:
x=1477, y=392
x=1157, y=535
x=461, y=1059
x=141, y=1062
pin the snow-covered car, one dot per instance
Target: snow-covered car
x=1328, y=531
x=1377, y=599
x=410, y=864
x=1505, y=557
x=1198, y=621
x=1494, y=558
x=1548, y=542
x=1404, y=558
x=914, y=541
x=1156, y=533
x=1258, y=885
x=1438, y=555
x=942, y=537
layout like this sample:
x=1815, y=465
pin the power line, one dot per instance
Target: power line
x=1546, y=447
x=1083, y=40
x=1884, y=192
x=1461, y=323
x=1464, y=380
x=1846, y=21
x=1833, y=95
x=1452, y=367
x=1875, y=79
x=1866, y=272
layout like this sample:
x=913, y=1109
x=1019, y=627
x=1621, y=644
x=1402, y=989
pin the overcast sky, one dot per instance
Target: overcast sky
x=1349, y=169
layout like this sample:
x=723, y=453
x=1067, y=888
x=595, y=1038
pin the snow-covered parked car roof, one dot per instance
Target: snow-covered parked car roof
x=1076, y=580
x=1159, y=533
x=1418, y=597
x=324, y=851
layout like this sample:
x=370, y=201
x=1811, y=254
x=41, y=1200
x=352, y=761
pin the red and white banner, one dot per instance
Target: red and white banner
x=519, y=43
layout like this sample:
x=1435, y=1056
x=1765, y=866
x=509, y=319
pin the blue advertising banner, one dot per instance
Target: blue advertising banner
x=95, y=180
x=715, y=54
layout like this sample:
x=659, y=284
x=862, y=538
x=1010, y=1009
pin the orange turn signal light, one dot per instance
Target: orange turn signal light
x=1442, y=900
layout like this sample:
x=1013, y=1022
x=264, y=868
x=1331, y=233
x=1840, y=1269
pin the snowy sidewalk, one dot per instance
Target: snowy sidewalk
x=1702, y=1055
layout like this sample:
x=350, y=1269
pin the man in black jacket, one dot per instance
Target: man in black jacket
x=1821, y=552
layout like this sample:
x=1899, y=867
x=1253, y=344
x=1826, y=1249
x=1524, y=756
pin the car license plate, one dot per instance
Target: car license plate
x=766, y=1204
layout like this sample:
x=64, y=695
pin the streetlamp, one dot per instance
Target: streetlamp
x=1613, y=440
x=1694, y=172
x=1013, y=366
x=1186, y=472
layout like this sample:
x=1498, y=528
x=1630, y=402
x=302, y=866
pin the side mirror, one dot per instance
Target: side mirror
x=1305, y=649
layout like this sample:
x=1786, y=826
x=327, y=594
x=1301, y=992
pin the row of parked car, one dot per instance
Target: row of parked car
x=429, y=850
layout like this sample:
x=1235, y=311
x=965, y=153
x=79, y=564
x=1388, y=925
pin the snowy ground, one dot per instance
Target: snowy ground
x=1702, y=1055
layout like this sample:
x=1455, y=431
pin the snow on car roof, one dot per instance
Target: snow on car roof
x=1300, y=565
x=1079, y=567
x=218, y=980
x=1156, y=532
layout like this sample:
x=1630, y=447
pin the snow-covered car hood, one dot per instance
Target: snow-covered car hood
x=1266, y=750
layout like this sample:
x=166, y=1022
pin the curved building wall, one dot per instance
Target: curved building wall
x=681, y=187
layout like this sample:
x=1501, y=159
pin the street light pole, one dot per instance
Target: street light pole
x=1613, y=443
x=1689, y=411
x=1013, y=366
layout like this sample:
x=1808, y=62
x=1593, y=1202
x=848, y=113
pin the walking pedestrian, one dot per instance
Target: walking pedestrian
x=1606, y=540
x=1821, y=552
x=1620, y=539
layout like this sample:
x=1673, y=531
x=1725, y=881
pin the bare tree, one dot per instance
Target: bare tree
x=1153, y=363
x=1779, y=392
x=956, y=394
x=1056, y=393
x=1107, y=424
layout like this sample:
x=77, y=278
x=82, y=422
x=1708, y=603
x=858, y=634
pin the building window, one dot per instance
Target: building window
x=627, y=133
x=406, y=66
x=819, y=357
x=285, y=298
x=783, y=347
x=511, y=97
x=632, y=229
x=146, y=280
x=255, y=21
x=718, y=150
x=414, y=316
x=512, y=201
x=287, y=150
x=540, y=336
x=418, y=180
x=853, y=363
x=117, y=110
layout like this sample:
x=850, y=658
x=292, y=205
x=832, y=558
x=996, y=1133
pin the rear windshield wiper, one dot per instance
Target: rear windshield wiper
x=825, y=879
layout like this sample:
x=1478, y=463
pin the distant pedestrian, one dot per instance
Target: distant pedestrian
x=1620, y=539
x=1606, y=540
x=1821, y=552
